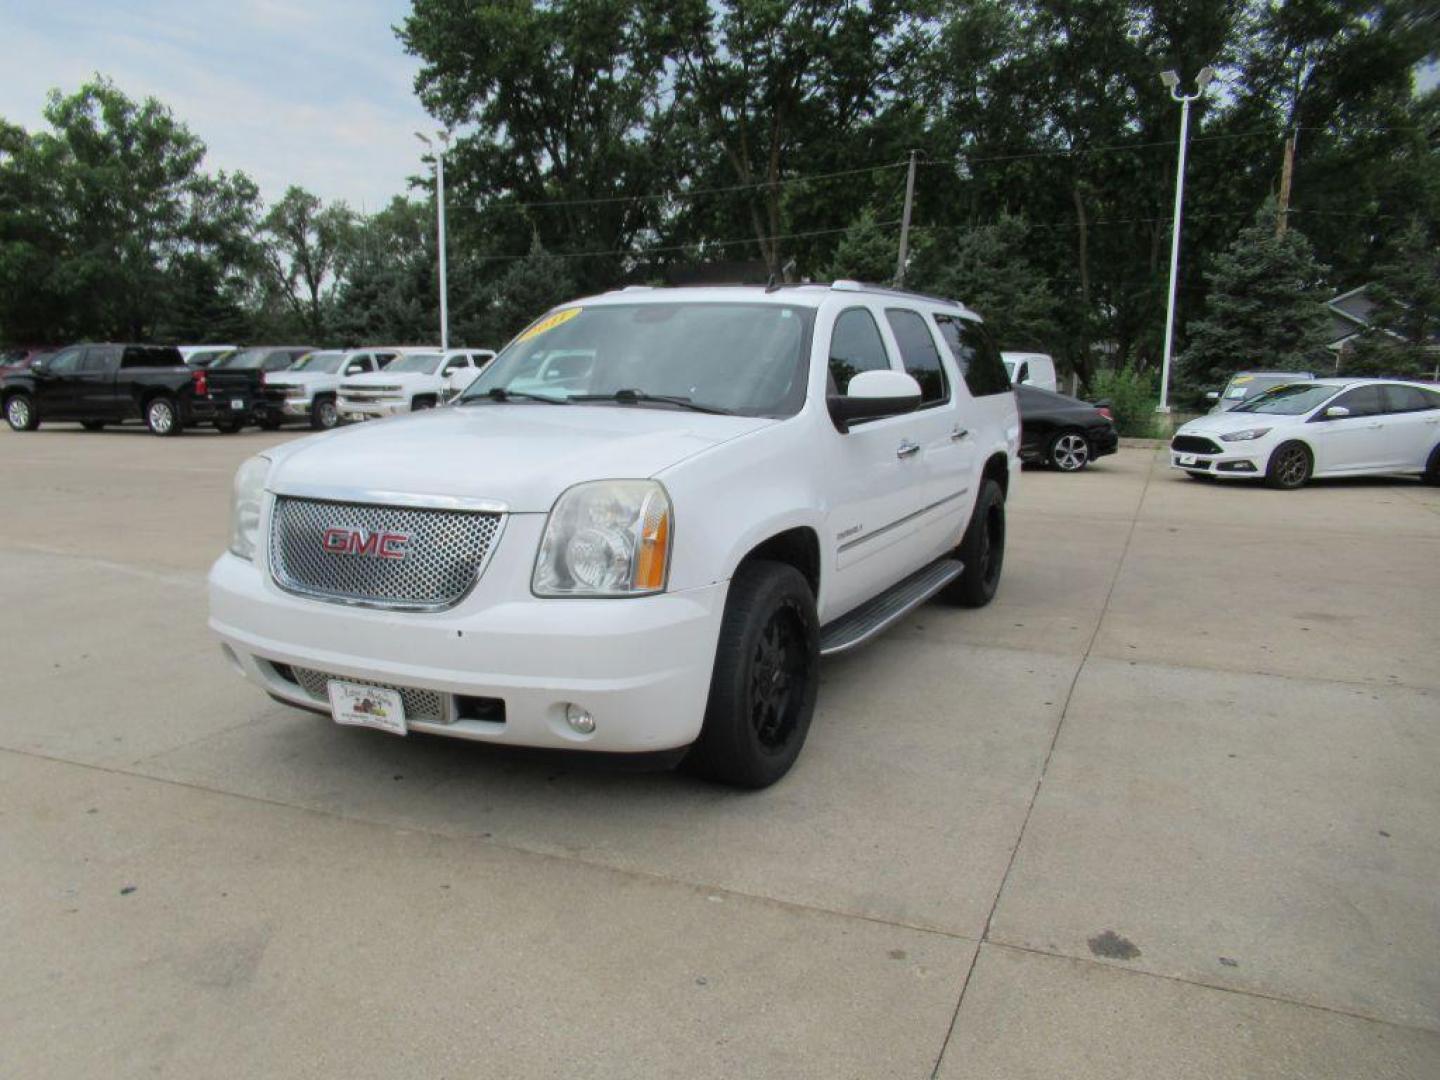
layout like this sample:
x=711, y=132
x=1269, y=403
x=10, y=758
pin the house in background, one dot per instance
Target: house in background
x=1349, y=316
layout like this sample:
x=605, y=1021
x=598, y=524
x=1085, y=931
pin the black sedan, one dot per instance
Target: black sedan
x=1062, y=432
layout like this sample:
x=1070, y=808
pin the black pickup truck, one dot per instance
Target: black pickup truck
x=242, y=374
x=105, y=384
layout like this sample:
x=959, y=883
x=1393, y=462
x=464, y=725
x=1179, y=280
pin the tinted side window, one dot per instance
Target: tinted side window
x=1362, y=401
x=855, y=346
x=277, y=361
x=137, y=356
x=97, y=358
x=1409, y=399
x=975, y=354
x=919, y=355
x=67, y=361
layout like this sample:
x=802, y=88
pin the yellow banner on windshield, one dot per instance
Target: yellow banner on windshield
x=550, y=322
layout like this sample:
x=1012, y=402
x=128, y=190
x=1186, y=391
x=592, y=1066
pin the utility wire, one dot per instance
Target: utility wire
x=661, y=196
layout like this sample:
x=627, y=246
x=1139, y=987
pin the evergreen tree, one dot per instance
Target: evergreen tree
x=987, y=269
x=1404, y=334
x=866, y=252
x=1265, y=307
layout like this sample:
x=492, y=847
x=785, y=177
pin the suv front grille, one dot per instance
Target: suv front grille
x=379, y=556
x=1195, y=444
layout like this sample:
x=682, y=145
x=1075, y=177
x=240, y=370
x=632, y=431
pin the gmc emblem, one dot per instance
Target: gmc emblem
x=375, y=545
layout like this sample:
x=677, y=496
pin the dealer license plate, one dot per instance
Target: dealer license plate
x=1188, y=459
x=367, y=706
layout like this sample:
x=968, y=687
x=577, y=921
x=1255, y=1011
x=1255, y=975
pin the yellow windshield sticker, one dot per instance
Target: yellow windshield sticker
x=550, y=322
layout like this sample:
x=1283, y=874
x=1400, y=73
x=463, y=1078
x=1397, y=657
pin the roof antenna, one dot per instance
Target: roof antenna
x=772, y=285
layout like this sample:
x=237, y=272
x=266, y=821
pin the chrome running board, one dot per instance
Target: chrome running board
x=864, y=622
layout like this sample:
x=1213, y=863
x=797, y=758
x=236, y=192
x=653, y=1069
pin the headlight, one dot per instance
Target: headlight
x=607, y=538
x=245, y=501
x=1246, y=435
x=295, y=391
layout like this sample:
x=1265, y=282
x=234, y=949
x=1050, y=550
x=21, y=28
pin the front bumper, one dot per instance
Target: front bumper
x=641, y=667
x=371, y=409
x=1246, y=461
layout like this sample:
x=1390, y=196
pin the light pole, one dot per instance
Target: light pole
x=444, y=137
x=1172, y=83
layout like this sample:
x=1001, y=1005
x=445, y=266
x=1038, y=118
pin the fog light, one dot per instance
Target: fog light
x=580, y=721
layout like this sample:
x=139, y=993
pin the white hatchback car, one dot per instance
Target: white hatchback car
x=1317, y=428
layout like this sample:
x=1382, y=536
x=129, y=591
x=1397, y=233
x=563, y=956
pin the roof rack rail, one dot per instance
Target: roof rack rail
x=847, y=285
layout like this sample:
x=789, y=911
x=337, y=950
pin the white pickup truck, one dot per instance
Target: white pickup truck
x=421, y=379
x=307, y=390
x=649, y=554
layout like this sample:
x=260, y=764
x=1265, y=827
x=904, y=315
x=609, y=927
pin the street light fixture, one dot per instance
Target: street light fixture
x=1172, y=83
x=444, y=137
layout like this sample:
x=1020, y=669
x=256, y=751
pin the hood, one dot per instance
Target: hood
x=387, y=378
x=522, y=454
x=298, y=378
x=1222, y=423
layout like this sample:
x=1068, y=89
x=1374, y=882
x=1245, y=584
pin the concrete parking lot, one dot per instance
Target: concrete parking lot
x=1170, y=807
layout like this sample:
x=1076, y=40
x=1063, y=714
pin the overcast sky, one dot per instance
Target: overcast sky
x=310, y=92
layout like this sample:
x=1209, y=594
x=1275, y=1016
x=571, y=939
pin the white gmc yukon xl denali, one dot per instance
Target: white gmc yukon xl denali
x=649, y=551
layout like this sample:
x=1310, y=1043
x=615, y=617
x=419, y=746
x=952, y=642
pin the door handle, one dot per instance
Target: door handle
x=907, y=449
x=958, y=434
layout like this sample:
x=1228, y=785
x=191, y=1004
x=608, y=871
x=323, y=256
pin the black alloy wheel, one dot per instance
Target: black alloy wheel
x=765, y=679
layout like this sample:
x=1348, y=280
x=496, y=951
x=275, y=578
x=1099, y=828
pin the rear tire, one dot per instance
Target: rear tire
x=1290, y=466
x=162, y=418
x=416, y=404
x=765, y=680
x=1069, y=451
x=982, y=550
x=20, y=413
x=1432, y=469
x=323, y=414
x=93, y=425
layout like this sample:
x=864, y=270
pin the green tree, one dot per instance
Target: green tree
x=1264, y=308
x=988, y=269
x=867, y=251
x=1404, y=333
x=524, y=292
x=304, y=240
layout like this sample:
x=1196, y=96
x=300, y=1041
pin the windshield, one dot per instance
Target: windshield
x=741, y=358
x=1245, y=387
x=245, y=359
x=426, y=362
x=1291, y=399
x=327, y=362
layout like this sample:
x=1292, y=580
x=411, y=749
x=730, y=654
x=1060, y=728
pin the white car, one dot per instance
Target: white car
x=1032, y=369
x=1317, y=428
x=421, y=379
x=308, y=390
x=651, y=558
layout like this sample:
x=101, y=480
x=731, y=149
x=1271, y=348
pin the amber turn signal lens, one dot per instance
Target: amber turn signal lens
x=654, y=554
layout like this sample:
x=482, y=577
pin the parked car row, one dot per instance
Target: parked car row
x=269, y=385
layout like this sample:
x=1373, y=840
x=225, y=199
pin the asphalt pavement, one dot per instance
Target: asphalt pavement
x=1168, y=808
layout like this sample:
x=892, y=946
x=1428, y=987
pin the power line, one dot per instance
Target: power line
x=641, y=253
x=691, y=192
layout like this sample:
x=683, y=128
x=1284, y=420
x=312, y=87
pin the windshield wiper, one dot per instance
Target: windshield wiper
x=634, y=397
x=499, y=393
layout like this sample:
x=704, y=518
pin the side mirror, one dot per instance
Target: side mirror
x=1212, y=395
x=1335, y=412
x=355, y=369
x=873, y=395
x=39, y=367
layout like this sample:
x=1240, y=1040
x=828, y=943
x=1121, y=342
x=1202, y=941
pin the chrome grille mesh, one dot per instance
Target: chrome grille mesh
x=444, y=551
x=419, y=704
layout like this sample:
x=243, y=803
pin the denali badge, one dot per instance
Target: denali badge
x=377, y=545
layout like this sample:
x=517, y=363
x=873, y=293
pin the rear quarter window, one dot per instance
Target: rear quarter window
x=976, y=355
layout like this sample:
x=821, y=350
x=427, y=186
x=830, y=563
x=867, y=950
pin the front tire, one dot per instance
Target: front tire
x=419, y=403
x=982, y=550
x=20, y=413
x=1069, y=451
x=1290, y=466
x=162, y=418
x=765, y=680
x=1432, y=468
x=324, y=415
